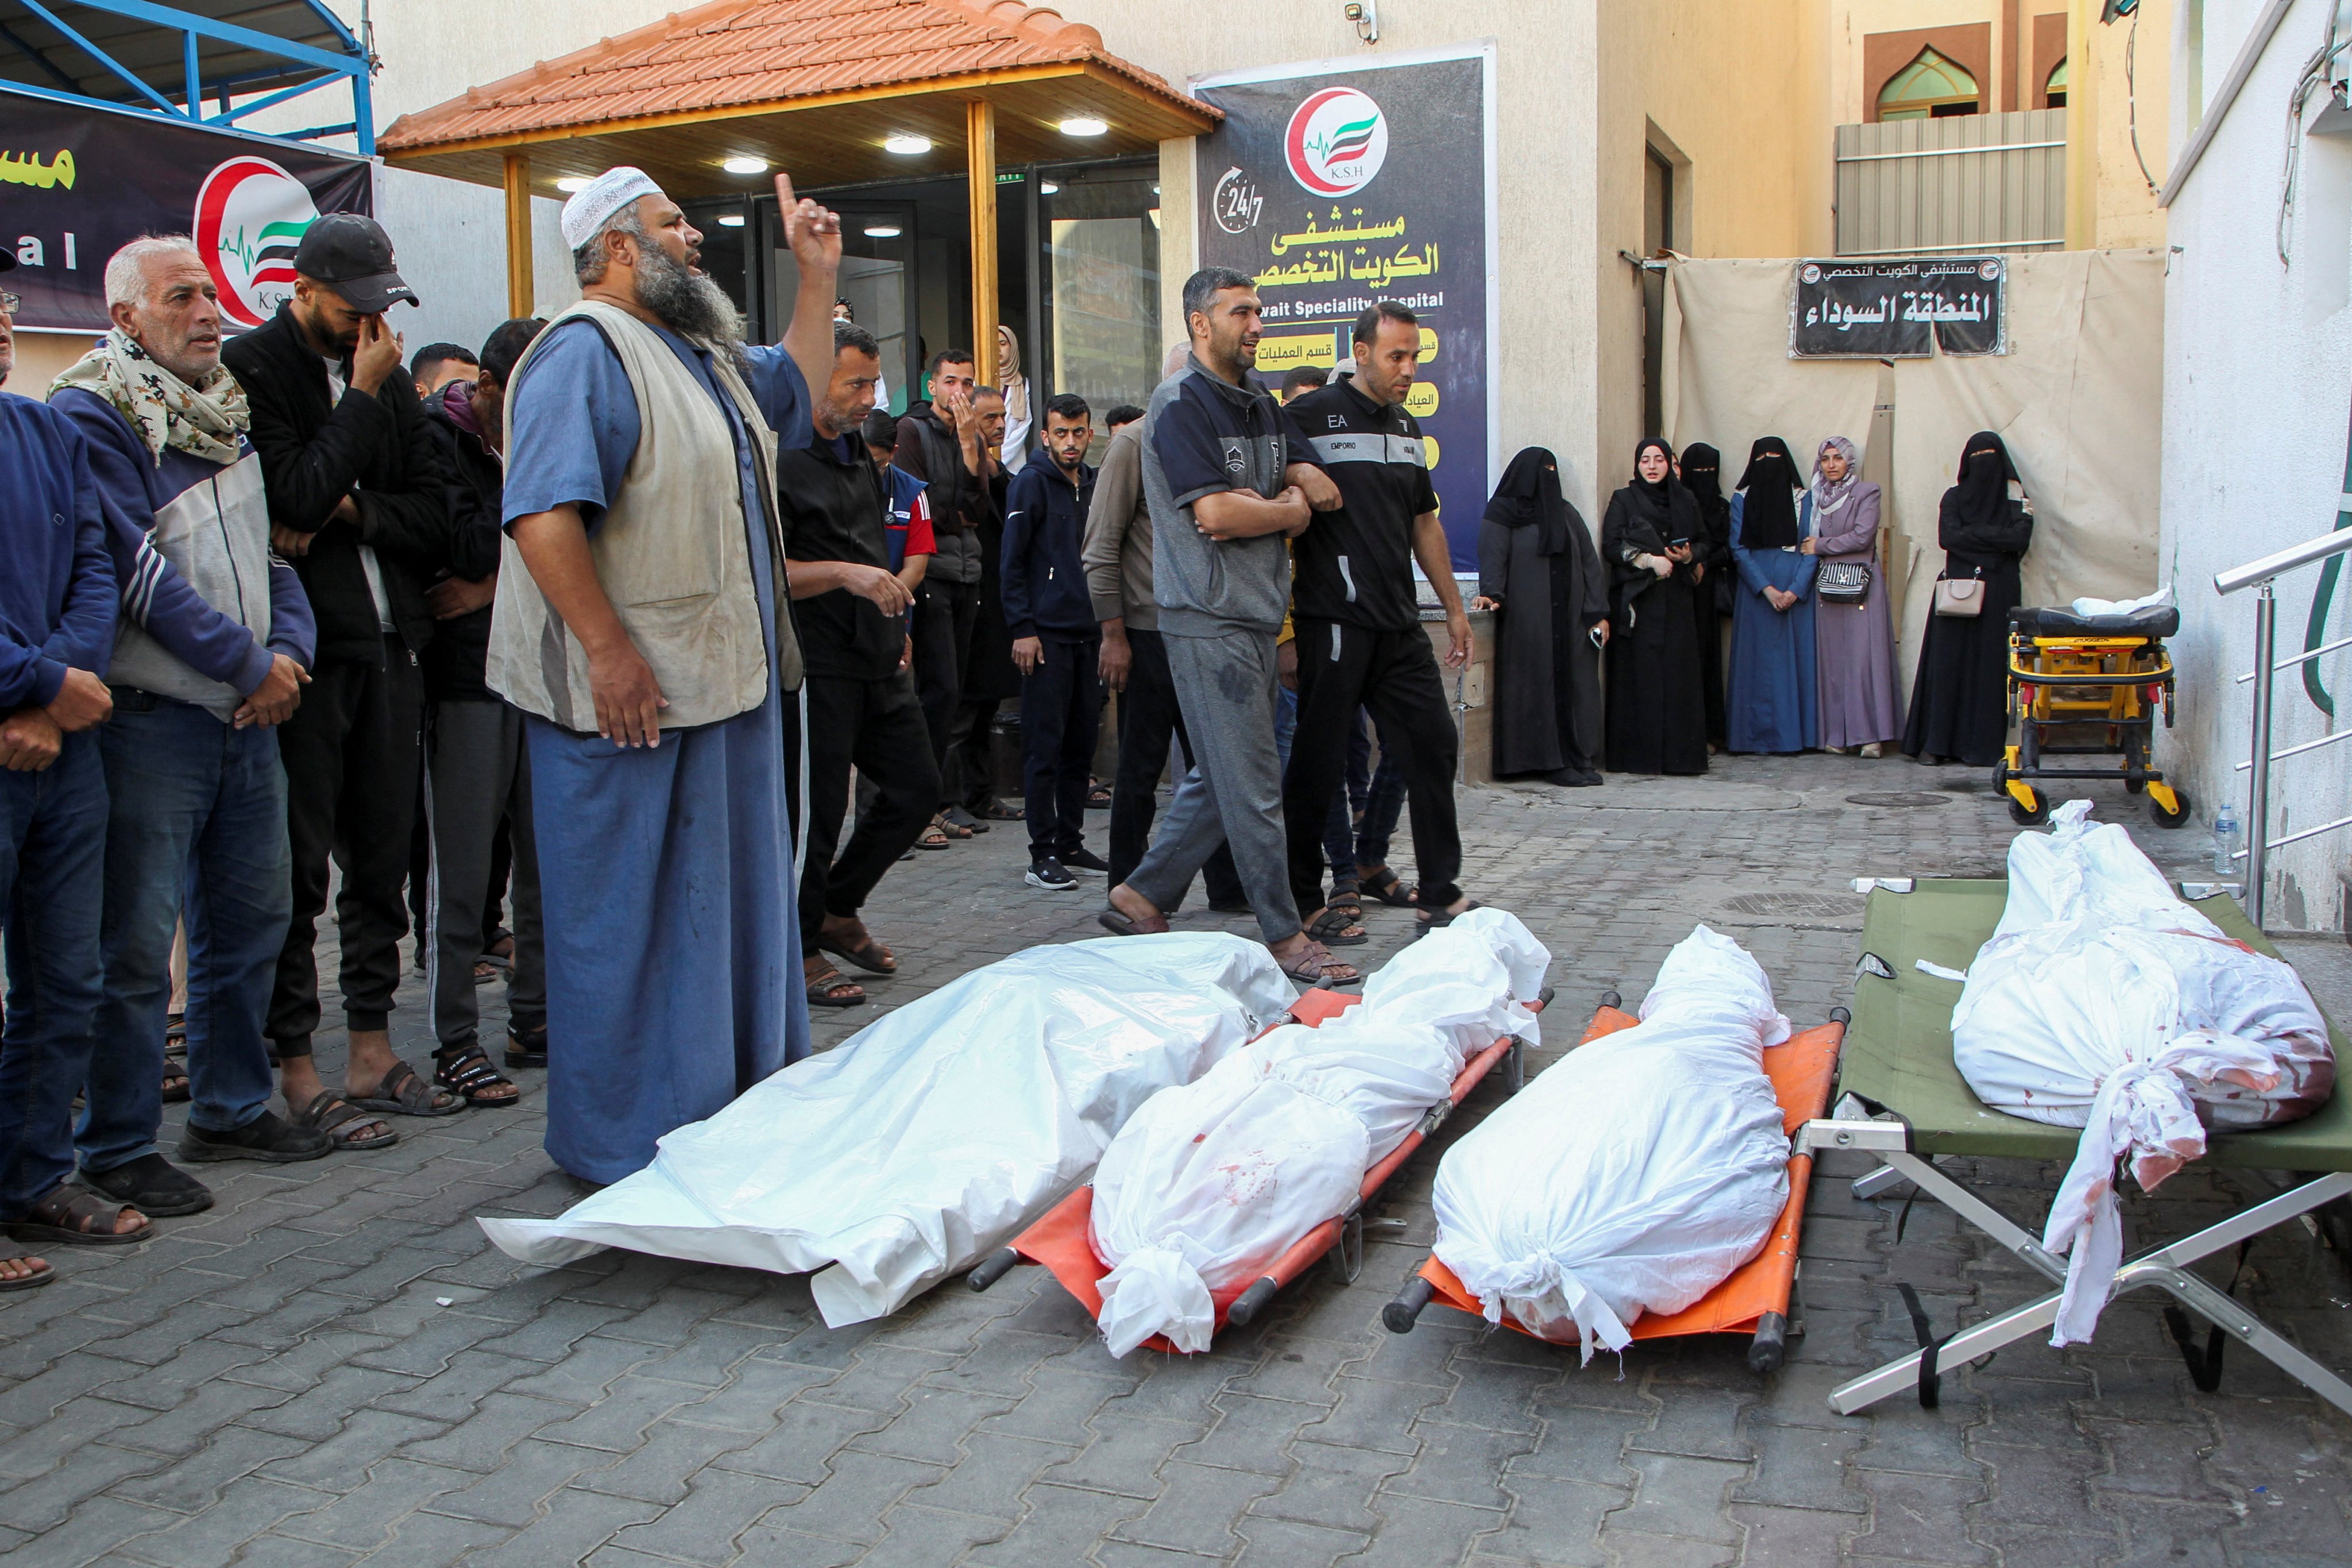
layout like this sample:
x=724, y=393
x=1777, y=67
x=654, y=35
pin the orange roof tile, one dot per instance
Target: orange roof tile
x=734, y=54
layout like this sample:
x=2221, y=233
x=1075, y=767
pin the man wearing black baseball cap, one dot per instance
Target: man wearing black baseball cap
x=360, y=501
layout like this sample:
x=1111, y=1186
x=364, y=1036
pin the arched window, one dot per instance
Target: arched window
x=1930, y=87
x=2054, y=91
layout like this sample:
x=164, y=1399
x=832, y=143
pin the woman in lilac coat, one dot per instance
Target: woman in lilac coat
x=1854, y=659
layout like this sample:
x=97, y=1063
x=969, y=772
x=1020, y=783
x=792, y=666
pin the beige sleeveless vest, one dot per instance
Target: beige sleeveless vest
x=671, y=553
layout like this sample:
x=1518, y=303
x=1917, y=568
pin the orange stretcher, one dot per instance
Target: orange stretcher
x=1061, y=1241
x=1757, y=1300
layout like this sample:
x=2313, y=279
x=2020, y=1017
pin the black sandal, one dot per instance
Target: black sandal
x=175, y=1083
x=468, y=1072
x=76, y=1217
x=1335, y=927
x=1437, y=918
x=329, y=1110
x=526, y=1047
x=402, y=1093
x=829, y=988
x=1382, y=884
x=9, y=1253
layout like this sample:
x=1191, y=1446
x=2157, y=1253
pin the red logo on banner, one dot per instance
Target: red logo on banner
x=250, y=214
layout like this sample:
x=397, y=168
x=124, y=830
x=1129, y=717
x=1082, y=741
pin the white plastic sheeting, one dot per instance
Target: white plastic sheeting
x=1636, y=1173
x=1211, y=1181
x=2105, y=1003
x=931, y=1137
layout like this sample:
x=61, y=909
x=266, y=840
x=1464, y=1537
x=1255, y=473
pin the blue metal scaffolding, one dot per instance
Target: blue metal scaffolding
x=168, y=60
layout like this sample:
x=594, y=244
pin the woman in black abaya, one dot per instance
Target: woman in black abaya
x=1538, y=571
x=1959, y=700
x=1649, y=539
x=1701, y=472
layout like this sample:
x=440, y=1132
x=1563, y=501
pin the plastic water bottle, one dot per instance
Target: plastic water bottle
x=2225, y=841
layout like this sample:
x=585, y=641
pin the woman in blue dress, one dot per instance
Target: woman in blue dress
x=1772, y=703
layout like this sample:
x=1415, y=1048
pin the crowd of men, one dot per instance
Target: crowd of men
x=490, y=632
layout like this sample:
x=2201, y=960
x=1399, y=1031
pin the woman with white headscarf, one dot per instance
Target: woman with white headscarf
x=1854, y=642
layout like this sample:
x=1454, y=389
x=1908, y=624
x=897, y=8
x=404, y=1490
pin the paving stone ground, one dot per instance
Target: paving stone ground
x=333, y=1366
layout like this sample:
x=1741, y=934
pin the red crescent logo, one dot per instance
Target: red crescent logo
x=1294, y=144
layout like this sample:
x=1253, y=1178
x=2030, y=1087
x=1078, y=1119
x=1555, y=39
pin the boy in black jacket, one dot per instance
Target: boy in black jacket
x=362, y=503
x=1056, y=644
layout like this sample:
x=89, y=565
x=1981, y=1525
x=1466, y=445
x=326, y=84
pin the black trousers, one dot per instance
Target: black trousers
x=971, y=769
x=1147, y=720
x=351, y=756
x=941, y=629
x=1061, y=718
x=876, y=727
x=1392, y=675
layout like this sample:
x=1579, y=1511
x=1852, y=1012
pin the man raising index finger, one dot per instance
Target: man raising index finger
x=634, y=586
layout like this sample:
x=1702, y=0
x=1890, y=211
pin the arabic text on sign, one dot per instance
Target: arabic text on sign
x=26, y=169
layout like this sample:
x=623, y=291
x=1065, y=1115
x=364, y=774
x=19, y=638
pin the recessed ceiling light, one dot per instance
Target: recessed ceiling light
x=1048, y=188
x=906, y=145
x=571, y=184
x=882, y=231
x=1083, y=125
x=730, y=220
x=746, y=165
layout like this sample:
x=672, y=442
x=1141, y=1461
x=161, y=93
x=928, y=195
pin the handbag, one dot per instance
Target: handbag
x=1842, y=583
x=1960, y=596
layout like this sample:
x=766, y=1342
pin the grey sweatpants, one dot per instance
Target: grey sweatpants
x=1225, y=689
x=479, y=771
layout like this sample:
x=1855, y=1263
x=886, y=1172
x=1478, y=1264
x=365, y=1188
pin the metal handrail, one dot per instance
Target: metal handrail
x=2262, y=574
x=2282, y=562
x=2340, y=736
x=2322, y=651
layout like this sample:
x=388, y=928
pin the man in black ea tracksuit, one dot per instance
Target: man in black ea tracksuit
x=1358, y=619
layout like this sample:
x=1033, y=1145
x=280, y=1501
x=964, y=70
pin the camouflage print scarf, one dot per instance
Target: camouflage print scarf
x=202, y=421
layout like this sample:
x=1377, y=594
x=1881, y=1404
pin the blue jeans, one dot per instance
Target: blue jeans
x=52, y=881
x=199, y=813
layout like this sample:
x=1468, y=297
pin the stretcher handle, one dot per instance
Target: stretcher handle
x=991, y=1268
x=1399, y=1315
x=1252, y=1302
x=1771, y=1346
x=1610, y=999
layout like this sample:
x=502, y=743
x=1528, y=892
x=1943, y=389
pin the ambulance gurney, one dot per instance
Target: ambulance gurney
x=2104, y=1001
x=2087, y=680
x=1760, y=1301
x=933, y=1134
x=1216, y=1195
x=1637, y=1173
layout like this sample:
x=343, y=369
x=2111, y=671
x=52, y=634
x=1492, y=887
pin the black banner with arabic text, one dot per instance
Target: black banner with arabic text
x=77, y=185
x=1898, y=310
x=1335, y=188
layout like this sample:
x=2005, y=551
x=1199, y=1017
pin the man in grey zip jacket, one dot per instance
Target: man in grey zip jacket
x=1228, y=478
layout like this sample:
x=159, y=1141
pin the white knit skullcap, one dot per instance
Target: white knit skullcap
x=592, y=206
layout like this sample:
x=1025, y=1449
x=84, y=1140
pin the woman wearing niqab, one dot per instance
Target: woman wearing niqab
x=1538, y=571
x=1854, y=645
x=1960, y=699
x=1701, y=472
x=1773, y=705
x=1649, y=539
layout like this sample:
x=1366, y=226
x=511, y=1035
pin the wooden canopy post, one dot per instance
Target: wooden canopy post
x=980, y=172
x=520, y=297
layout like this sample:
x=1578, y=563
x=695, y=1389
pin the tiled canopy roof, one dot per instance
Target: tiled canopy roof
x=737, y=54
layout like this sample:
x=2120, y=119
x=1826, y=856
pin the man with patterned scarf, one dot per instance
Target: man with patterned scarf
x=212, y=651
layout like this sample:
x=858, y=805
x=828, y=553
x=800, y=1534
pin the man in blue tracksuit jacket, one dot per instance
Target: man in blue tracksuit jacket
x=1055, y=642
x=215, y=644
x=57, y=627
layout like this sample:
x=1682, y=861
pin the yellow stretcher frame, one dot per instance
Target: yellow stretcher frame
x=2079, y=681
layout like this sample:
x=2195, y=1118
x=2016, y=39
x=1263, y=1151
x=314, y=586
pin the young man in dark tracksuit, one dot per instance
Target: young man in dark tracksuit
x=477, y=767
x=862, y=712
x=1056, y=643
x=1359, y=617
x=359, y=501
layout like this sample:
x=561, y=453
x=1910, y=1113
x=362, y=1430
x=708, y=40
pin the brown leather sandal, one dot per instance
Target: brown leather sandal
x=76, y=1217
x=857, y=945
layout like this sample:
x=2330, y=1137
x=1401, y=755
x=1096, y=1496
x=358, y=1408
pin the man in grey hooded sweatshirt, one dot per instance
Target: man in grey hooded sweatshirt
x=1228, y=478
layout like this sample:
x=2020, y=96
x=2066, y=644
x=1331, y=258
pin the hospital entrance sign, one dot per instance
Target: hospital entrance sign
x=1335, y=183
